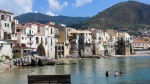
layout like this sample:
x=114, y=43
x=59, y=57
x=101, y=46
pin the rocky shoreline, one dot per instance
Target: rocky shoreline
x=9, y=65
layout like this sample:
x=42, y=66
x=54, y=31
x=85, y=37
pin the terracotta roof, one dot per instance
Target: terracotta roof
x=139, y=40
x=5, y=11
x=111, y=32
x=20, y=26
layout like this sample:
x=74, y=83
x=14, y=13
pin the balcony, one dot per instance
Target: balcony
x=51, y=35
x=12, y=37
x=20, y=45
x=105, y=43
x=30, y=42
x=30, y=34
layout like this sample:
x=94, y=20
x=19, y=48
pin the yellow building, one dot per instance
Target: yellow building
x=63, y=45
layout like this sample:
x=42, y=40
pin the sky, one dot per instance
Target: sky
x=73, y=8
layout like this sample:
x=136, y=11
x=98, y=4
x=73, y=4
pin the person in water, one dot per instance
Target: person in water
x=116, y=74
x=121, y=72
x=107, y=73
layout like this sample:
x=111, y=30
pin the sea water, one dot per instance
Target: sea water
x=88, y=71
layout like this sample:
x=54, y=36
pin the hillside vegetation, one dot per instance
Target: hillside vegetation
x=42, y=18
x=130, y=14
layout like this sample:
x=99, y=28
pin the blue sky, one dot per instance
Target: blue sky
x=60, y=7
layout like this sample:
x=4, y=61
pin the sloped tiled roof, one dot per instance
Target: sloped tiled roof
x=139, y=40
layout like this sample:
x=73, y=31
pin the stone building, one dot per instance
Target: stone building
x=74, y=43
x=123, y=44
x=85, y=43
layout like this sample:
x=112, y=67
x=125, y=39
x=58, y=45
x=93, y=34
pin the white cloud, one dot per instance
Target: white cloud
x=82, y=2
x=16, y=6
x=56, y=6
x=50, y=13
x=35, y=11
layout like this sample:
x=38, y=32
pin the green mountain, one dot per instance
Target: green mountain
x=130, y=14
x=42, y=18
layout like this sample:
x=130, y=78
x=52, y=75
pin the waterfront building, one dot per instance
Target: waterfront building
x=62, y=47
x=20, y=49
x=44, y=44
x=35, y=38
x=97, y=45
x=123, y=44
x=74, y=43
x=111, y=42
x=8, y=34
x=50, y=39
x=141, y=46
x=104, y=40
x=85, y=43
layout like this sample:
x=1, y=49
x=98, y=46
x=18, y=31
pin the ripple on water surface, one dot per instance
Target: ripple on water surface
x=91, y=71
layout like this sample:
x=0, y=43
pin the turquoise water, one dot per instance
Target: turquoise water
x=91, y=71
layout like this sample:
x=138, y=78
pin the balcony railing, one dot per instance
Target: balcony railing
x=30, y=42
x=12, y=37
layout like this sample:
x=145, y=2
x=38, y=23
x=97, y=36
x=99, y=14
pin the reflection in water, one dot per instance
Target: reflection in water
x=91, y=71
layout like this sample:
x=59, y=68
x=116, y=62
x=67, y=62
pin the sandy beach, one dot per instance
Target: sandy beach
x=4, y=67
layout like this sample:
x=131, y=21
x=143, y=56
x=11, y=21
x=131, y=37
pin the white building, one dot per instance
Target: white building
x=7, y=33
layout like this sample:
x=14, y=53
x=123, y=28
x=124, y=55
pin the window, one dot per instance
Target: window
x=16, y=51
x=41, y=39
x=9, y=18
x=2, y=17
x=11, y=45
x=29, y=32
x=5, y=25
x=38, y=29
x=37, y=40
x=51, y=31
x=45, y=40
x=51, y=42
x=30, y=38
x=18, y=30
x=121, y=38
